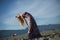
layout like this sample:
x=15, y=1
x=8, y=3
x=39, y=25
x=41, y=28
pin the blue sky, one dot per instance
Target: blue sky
x=44, y=11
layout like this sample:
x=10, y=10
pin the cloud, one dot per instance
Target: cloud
x=45, y=11
x=41, y=9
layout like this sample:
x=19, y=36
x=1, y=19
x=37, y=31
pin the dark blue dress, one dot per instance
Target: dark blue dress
x=34, y=31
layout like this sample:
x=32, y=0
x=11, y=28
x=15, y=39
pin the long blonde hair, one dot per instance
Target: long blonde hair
x=20, y=19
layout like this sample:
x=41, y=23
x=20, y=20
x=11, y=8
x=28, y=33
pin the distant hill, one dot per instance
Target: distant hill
x=7, y=33
x=48, y=27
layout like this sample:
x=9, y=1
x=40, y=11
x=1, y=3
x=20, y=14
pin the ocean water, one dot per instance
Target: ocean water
x=7, y=33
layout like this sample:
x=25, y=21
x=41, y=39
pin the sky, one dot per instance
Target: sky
x=44, y=11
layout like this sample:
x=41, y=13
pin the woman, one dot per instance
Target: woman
x=33, y=31
x=32, y=28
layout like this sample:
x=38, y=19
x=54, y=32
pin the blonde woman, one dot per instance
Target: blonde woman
x=33, y=31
